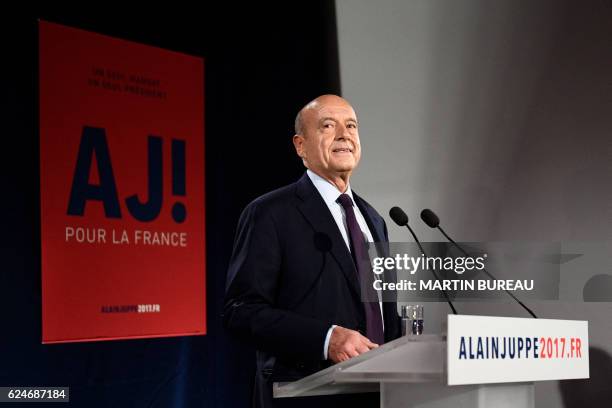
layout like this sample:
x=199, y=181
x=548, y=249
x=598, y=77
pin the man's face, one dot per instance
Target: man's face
x=329, y=145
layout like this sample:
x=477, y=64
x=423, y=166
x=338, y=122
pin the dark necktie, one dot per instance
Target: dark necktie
x=374, y=326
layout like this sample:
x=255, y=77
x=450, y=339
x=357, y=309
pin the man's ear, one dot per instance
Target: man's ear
x=298, y=143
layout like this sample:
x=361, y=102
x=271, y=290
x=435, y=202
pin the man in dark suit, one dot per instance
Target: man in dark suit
x=295, y=284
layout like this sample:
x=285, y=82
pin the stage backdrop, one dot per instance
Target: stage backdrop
x=122, y=188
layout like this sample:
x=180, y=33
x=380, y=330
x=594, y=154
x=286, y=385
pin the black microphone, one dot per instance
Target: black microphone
x=400, y=218
x=432, y=220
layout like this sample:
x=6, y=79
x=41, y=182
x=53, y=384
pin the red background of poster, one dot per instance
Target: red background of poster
x=78, y=279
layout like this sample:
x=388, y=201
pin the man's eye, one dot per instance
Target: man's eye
x=352, y=126
x=328, y=125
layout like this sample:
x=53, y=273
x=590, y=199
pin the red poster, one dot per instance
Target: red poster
x=122, y=188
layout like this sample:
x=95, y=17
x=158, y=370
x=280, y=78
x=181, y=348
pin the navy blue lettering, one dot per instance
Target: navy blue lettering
x=93, y=143
x=462, y=353
x=149, y=210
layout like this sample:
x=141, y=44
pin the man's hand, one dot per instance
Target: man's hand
x=346, y=343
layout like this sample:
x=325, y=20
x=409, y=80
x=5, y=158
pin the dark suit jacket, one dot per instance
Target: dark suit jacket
x=291, y=277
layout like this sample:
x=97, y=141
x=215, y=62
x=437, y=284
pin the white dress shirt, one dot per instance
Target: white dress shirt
x=330, y=194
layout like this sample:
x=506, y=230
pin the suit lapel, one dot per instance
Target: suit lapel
x=314, y=209
x=376, y=228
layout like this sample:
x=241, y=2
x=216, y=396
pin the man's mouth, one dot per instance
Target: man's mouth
x=342, y=150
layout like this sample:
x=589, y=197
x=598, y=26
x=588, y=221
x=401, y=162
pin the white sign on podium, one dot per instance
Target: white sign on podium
x=488, y=349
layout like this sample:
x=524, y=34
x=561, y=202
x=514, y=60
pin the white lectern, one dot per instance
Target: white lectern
x=413, y=371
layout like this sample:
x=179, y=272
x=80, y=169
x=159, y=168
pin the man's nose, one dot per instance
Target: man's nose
x=342, y=133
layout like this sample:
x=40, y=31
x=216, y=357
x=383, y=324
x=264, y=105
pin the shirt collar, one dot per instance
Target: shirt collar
x=328, y=191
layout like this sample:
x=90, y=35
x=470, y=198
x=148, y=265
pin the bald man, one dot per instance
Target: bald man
x=295, y=284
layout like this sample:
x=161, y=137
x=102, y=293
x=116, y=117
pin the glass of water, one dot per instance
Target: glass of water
x=412, y=320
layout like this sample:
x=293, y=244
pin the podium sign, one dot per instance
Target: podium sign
x=491, y=349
